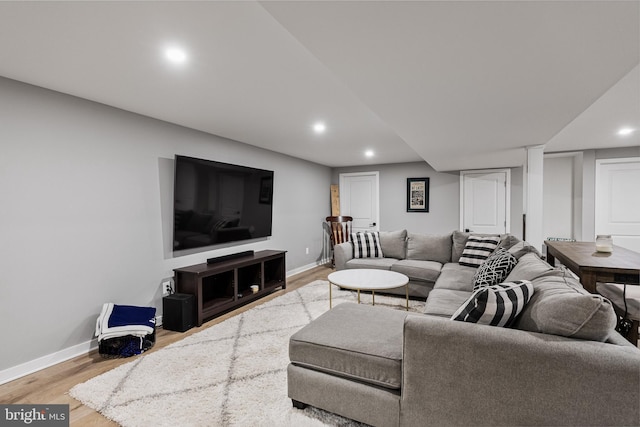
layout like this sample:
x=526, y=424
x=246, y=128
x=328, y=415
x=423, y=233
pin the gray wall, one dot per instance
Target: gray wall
x=517, y=200
x=87, y=215
x=444, y=198
x=558, y=197
x=618, y=153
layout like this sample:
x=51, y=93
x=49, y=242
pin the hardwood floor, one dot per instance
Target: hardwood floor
x=50, y=386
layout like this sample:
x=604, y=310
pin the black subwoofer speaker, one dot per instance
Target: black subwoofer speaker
x=178, y=312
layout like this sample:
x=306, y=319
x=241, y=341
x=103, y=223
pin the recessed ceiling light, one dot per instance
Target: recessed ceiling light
x=369, y=153
x=626, y=131
x=319, y=127
x=175, y=55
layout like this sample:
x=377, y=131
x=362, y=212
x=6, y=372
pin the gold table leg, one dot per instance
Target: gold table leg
x=373, y=297
x=407, y=289
x=329, y=295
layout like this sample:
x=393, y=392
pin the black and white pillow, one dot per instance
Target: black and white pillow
x=497, y=305
x=477, y=249
x=495, y=269
x=366, y=244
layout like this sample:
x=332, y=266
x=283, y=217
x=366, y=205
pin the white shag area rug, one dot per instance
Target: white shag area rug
x=230, y=374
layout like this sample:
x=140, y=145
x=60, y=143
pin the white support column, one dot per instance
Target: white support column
x=588, y=196
x=534, y=195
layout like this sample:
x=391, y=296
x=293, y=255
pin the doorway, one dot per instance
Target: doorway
x=617, y=202
x=359, y=198
x=485, y=201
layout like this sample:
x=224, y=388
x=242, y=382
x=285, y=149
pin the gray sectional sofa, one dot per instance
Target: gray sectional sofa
x=421, y=257
x=560, y=363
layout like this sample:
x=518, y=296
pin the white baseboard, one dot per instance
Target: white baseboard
x=307, y=267
x=43, y=362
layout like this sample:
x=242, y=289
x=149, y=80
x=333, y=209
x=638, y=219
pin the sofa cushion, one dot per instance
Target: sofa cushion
x=456, y=277
x=529, y=267
x=495, y=269
x=369, y=350
x=379, y=263
x=522, y=248
x=508, y=240
x=429, y=247
x=366, y=244
x=477, y=249
x=394, y=243
x=497, y=305
x=427, y=271
x=445, y=302
x=561, y=306
x=458, y=240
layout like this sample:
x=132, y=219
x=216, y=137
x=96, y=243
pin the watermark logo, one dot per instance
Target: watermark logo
x=34, y=415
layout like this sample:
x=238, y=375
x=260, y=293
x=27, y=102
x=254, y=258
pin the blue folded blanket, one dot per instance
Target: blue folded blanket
x=127, y=315
x=121, y=320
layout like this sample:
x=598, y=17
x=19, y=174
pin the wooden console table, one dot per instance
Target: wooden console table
x=222, y=286
x=619, y=266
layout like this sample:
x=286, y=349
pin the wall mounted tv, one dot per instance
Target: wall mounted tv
x=219, y=203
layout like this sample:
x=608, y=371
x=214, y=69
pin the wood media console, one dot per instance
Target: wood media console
x=225, y=285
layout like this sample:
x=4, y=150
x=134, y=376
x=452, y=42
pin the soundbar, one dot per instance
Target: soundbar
x=228, y=257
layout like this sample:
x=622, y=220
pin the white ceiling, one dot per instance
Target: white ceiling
x=461, y=85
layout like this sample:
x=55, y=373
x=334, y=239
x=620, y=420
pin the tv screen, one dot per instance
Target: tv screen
x=219, y=203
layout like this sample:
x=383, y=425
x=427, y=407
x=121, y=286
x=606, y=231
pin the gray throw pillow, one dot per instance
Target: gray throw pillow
x=508, y=240
x=429, y=247
x=394, y=244
x=522, y=248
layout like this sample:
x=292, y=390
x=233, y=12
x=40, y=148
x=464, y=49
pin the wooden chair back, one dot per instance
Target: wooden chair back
x=339, y=228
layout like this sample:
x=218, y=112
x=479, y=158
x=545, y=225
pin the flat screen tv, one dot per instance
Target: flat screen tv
x=218, y=202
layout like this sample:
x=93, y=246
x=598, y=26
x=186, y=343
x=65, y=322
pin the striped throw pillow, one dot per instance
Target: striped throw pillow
x=497, y=305
x=366, y=244
x=477, y=249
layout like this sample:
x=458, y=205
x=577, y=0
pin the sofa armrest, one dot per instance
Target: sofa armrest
x=342, y=253
x=457, y=373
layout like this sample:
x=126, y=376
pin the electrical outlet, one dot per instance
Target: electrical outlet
x=307, y=251
x=167, y=289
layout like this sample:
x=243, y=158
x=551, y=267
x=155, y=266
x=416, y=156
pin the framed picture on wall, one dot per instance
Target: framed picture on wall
x=417, y=194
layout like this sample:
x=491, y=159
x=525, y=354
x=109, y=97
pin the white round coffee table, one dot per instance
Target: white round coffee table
x=373, y=280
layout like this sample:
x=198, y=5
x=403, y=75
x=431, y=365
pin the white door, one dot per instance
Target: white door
x=617, y=201
x=359, y=199
x=484, y=201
